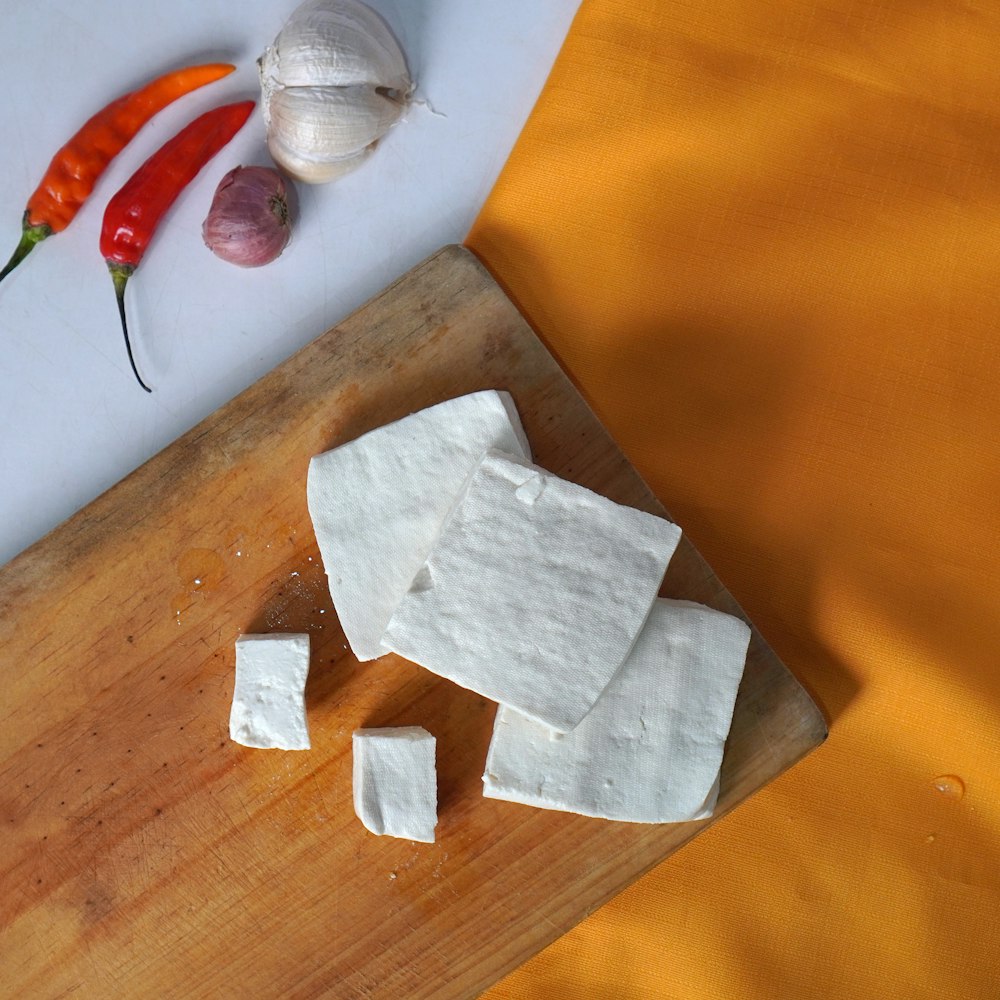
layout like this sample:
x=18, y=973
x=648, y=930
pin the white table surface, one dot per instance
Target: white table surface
x=73, y=419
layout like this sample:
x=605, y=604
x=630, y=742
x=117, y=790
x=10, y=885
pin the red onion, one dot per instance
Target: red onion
x=248, y=221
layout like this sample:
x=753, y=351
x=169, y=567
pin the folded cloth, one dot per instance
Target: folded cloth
x=762, y=238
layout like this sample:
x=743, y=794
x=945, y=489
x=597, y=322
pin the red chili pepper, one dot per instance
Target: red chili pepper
x=135, y=211
x=75, y=168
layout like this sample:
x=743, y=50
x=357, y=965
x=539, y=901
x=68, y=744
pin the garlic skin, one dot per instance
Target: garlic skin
x=333, y=83
x=248, y=222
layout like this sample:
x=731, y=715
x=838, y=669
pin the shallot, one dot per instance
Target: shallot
x=248, y=222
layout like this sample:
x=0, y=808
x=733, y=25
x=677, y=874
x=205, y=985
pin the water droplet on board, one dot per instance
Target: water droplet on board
x=200, y=569
x=949, y=785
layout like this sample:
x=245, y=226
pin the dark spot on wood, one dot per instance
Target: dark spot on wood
x=97, y=903
x=163, y=677
x=129, y=638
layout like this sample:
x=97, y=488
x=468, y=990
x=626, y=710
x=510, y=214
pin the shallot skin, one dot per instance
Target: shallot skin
x=248, y=222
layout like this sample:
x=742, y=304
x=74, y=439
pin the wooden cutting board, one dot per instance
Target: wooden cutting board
x=145, y=855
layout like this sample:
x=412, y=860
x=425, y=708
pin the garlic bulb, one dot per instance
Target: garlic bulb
x=333, y=83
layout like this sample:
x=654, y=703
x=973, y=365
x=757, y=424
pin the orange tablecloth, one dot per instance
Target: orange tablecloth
x=764, y=237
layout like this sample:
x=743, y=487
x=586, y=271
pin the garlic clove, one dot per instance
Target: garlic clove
x=310, y=171
x=326, y=124
x=336, y=43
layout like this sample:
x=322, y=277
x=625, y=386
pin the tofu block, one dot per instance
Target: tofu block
x=534, y=592
x=377, y=502
x=269, y=709
x=395, y=782
x=651, y=749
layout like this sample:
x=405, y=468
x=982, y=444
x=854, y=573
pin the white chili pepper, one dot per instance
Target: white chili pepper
x=333, y=83
x=248, y=222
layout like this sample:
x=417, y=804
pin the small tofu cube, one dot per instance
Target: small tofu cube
x=651, y=749
x=378, y=501
x=395, y=782
x=269, y=695
x=534, y=592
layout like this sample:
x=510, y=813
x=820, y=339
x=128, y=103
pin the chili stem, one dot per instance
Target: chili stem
x=120, y=274
x=30, y=235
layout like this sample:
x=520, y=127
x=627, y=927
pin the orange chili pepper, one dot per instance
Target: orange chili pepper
x=135, y=211
x=75, y=168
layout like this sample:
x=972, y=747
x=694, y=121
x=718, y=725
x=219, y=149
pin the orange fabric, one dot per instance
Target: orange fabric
x=764, y=238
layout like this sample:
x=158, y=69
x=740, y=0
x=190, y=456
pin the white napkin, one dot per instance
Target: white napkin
x=377, y=502
x=651, y=748
x=395, y=782
x=534, y=592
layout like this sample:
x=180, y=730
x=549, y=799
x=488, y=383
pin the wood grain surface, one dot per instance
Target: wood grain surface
x=143, y=854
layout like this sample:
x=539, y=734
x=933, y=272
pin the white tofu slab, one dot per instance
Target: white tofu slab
x=395, y=782
x=377, y=503
x=534, y=592
x=651, y=749
x=269, y=708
